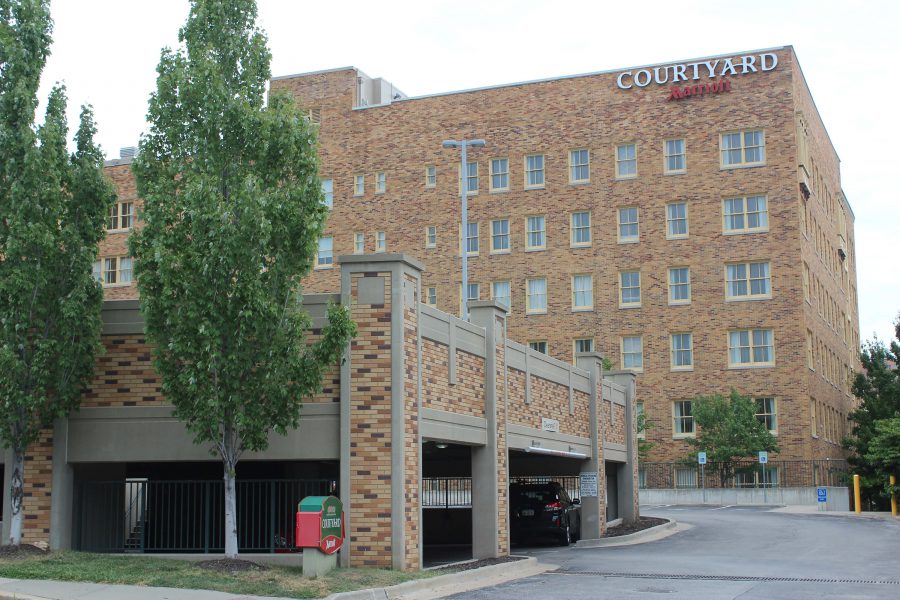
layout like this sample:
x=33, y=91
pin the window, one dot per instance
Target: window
x=359, y=243
x=472, y=238
x=359, y=185
x=121, y=216
x=628, y=224
x=534, y=239
x=473, y=293
x=674, y=156
x=500, y=292
x=472, y=177
x=113, y=270
x=431, y=296
x=380, y=182
x=641, y=434
x=676, y=220
x=743, y=148
x=538, y=346
x=747, y=281
x=684, y=418
x=806, y=282
x=431, y=236
x=584, y=345
x=380, y=242
x=430, y=176
x=534, y=171
x=582, y=292
x=328, y=192
x=629, y=288
x=325, y=257
x=633, y=352
x=581, y=229
x=626, y=161
x=765, y=412
x=746, y=214
x=750, y=347
x=500, y=175
x=500, y=236
x=536, y=296
x=579, y=166
x=682, y=349
x=679, y=285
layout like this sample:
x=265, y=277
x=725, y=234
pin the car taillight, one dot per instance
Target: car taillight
x=554, y=506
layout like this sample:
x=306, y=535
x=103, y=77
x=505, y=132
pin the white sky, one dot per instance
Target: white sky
x=106, y=51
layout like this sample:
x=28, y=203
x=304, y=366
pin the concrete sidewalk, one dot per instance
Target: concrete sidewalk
x=805, y=509
x=33, y=589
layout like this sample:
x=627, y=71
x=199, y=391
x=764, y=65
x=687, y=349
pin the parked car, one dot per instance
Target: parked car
x=543, y=510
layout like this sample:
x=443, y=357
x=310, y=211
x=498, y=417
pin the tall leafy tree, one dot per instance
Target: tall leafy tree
x=233, y=211
x=52, y=211
x=878, y=391
x=728, y=430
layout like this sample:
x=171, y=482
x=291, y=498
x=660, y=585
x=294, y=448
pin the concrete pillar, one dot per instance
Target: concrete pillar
x=629, y=503
x=380, y=402
x=490, y=463
x=63, y=487
x=593, y=508
x=7, y=480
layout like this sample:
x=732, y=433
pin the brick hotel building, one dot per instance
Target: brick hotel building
x=686, y=220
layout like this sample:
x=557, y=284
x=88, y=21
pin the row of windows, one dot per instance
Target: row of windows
x=683, y=416
x=826, y=362
x=325, y=253
x=737, y=149
x=113, y=270
x=827, y=422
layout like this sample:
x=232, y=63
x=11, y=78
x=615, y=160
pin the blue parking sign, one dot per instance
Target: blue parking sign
x=701, y=458
x=822, y=494
x=763, y=457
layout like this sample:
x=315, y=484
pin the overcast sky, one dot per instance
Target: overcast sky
x=106, y=51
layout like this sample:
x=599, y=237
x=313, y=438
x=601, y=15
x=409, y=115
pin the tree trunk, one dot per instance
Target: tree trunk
x=16, y=496
x=231, y=537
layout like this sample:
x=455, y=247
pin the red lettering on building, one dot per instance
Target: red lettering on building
x=680, y=93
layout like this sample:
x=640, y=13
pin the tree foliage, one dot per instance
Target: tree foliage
x=233, y=213
x=52, y=211
x=874, y=420
x=643, y=445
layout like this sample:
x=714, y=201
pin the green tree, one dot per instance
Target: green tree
x=884, y=451
x=728, y=430
x=878, y=391
x=233, y=213
x=52, y=210
x=643, y=446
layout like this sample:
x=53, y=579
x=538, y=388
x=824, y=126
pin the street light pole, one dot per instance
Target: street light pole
x=464, y=201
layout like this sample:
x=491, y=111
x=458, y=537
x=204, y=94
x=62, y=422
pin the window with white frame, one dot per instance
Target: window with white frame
x=500, y=235
x=359, y=243
x=380, y=241
x=113, y=270
x=328, y=192
x=750, y=347
x=765, y=412
x=325, y=255
x=500, y=175
x=121, y=216
x=538, y=346
x=630, y=288
x=674, y=156
x=747, y=281
x=359, y=185
x=535, y=233
x=500, y=292
x=682, y=348
x=582, y=292
x=583, y=345
x=743, y=148
x=431, y=296
x=536, y=296
x=633, y=352
x=380, y=182
x=626, y=161
x=679, y=285
x=676, y=220
x=628, y=224
x=579, y=166
x=430, y=176
x=472, y=177
x=534, y=171
x=473, y=292
x=431, y=236
x=746, y=214
x=682, y=412
x=581, y=228
x=472, y=238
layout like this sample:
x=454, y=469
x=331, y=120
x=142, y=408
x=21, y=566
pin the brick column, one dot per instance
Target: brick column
x=593, y=508
x=380, y=439
x=490, y=464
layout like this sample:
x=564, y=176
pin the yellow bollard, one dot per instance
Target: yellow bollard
x=857, y=502
x=893, y=497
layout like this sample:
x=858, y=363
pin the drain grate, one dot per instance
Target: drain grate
x=727, y=577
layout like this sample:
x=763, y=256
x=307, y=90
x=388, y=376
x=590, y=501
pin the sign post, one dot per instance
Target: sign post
x=763, y=461
x=320, y=532
x=822, y=498
x=701, y=459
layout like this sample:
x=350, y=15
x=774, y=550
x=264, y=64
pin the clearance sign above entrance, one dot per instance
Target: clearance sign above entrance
x=711, y=76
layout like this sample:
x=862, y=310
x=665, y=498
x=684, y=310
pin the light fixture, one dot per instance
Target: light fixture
x=549, y=452
x=440, y=446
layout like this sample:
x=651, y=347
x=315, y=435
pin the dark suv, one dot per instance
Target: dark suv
x=543, y=509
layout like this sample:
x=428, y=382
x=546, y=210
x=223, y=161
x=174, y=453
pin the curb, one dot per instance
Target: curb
x=638, y=536
x=471, y=578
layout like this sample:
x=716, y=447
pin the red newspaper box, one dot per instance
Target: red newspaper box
x=320, y=523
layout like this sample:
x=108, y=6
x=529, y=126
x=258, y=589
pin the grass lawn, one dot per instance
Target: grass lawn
x=144, y=570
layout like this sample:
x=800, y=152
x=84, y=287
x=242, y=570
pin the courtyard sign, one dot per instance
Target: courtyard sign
x=320, y=523
x=697, y=71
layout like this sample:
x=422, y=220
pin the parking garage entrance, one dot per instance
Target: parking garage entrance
x=446, y=503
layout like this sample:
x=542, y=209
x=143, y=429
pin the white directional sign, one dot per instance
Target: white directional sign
x=701, y=458
x=763, y=457
x=589, y=487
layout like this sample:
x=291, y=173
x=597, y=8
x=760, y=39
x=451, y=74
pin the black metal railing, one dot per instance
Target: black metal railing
x=140, y=515
x=456, y=492
x=743, y=474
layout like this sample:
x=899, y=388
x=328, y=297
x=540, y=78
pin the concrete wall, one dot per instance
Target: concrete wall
x=838, y=497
